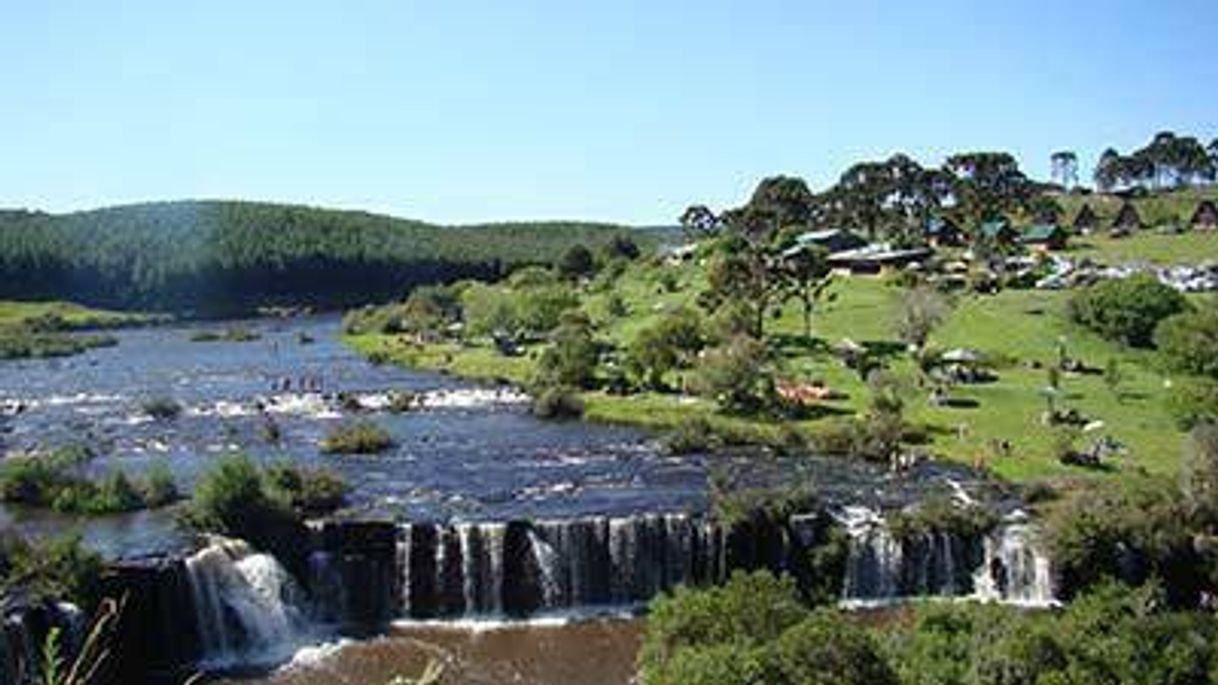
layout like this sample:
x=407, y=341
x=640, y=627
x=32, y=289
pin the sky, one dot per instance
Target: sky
x=619, y=110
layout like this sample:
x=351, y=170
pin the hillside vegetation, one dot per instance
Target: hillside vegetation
x=217, y=257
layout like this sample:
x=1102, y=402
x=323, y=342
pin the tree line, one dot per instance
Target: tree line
x=217, y=257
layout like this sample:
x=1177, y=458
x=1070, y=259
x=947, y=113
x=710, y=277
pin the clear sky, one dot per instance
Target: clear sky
x=620, y=110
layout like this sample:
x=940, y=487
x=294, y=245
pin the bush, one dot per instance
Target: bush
x=57, y=569
x=572, y=356
x=309, y=492
x=558, y=402
x=692, y=435
x=159, y=487
x=576, y=261
x=1126, y=310
x=737, y=376
x=828, y=647
x=361, y=437
x=1192, y=401
x=1187, y=342
x=162, y=408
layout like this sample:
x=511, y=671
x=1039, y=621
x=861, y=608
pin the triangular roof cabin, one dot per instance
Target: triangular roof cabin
x=1127, y=219
x=1052, y=236
x=1206, y=216
x=1086, y=219
x=999, y=231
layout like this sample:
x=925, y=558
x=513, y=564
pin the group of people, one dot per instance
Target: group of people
x=306, y=383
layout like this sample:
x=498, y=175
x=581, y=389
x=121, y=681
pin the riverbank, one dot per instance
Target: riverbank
x=995, y=424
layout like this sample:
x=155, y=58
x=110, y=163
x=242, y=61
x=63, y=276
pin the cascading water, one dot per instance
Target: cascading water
x=1015, y=570
x=488, y=569
x=245, y=604
x=1006, y=565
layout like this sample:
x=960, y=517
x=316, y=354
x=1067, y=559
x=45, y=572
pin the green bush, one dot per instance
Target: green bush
x=308, y=491
x=361, y=437
x=1126, y=310
x=571, y=358
x=692, y=435
x=57, y=569
x=1192, y=401
x=738, y=376
x=939, y=513
x=558, y=402
x=1187, y=342
x=162, y=408
x=159, y=488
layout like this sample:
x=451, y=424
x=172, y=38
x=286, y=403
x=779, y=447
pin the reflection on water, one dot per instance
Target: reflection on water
x=596, y=652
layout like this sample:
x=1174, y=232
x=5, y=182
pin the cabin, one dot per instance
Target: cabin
x=1206, y=216
x=1127, y=220
x=872, y=259
x=999, y=232
x=943, y=232
x=1085, y=221
x=834, y=240
x=1045, y=236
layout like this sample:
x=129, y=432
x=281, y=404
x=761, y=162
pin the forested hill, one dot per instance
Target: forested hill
x=213, y=257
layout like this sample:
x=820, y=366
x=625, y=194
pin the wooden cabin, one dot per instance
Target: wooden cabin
x=1045, y=236
x=1127, y=220
x=1085, y=221
x=1206, y=216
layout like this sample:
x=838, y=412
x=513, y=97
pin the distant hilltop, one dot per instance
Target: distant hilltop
x=223, y=257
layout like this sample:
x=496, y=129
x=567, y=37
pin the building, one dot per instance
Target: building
x=1127, y=220
x=834, y=240
x=1206, y=216
x=1085, y=221
x=1045, y=236
x=943, y=232
x=871, y=259
x=999, y=232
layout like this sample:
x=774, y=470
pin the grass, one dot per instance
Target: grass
x=73, y=316
x=45, y=329
x=361, y=437
x=1021, y=328
x=1164, y=249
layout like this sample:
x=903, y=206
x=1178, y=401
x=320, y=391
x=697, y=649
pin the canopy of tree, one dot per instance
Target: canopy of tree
x=221, y=256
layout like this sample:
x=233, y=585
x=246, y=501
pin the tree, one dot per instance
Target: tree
x=987, y=185
x=1199, y=475
x=1126, y=310
x=1187, y=342
x=921, y=311
x=747, y=271
x=670, y=342
x=737, y=375
x=622, y=246
x=808, y=275
x=570, y=359
x=699, y=222
x=1065, y=168
x=577, y=261
x=1108, y=170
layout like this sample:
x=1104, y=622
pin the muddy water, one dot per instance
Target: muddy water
x=595, y=652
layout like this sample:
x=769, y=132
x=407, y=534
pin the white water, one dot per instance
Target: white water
x=245, y=605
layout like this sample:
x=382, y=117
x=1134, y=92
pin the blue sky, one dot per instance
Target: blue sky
x=619, y=110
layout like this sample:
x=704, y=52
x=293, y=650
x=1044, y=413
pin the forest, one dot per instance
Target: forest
x=226, y=257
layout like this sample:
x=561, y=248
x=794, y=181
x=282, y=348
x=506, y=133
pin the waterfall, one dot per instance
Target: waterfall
x=245, y=604
x=1015, y=569
x=515, y=568
x=1006, y=565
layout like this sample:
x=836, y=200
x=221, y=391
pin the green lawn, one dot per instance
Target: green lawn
x=1191, y=247
x=1022, y=327
x=76, y=316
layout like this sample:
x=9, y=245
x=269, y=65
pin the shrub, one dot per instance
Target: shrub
x=572, y=356
x=307, y=491
x=558, y=402
x=402, y=401
x=576, y=261
x=361, y=437
x=1187, y=341
x=737, y=376
x=940, y=514
x=159, y=487
x=162, y=408
x=828, y=647
x=57, y=569
x=1192, y=401
x=1126, y=310
x=692, y=435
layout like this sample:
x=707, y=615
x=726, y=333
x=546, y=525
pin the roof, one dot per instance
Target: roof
x=880, y=253
x=936, y=225
x=992, y=229
x=1205, y=211
x=1039, y=233
x=833, y=239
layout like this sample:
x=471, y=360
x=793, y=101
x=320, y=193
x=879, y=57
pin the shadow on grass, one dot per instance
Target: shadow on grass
x=960, y=403
x=812, y=412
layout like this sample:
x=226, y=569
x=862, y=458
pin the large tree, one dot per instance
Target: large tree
x=1065, y=168
x=987, y=185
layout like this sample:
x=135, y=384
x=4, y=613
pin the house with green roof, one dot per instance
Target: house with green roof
x=1046, y=236
x=999, y=231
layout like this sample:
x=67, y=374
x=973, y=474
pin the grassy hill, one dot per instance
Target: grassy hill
x=1156, y=209
x=226, y=256
x=1021, y=328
